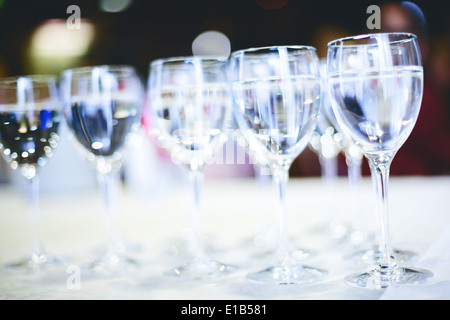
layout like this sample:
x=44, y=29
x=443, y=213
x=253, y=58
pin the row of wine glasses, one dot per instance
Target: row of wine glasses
x=101, y=106
x=374, y=83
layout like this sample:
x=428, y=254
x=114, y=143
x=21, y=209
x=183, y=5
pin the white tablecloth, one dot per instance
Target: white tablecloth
x=235, y=212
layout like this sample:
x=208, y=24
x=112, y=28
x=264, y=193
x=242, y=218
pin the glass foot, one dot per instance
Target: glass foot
x=288, y=275
x=372, y=256
x=201, y=268
x=36, y=261
x=113, y=264
x=381, y=279
x=296, y=254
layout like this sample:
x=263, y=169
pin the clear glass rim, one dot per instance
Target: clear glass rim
x=343, y=42
x=268, y=48
x=110, y=67
x=187, y=59
x=37, y=79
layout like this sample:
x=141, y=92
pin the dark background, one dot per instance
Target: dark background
x=151, y=29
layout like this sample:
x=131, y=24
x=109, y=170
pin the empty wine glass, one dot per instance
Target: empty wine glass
x=376, y=83
x=29, y=121
x=102, y=108
x=276, y=93
x=190, y=101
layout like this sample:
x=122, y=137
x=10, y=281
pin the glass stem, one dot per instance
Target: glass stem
x=196, y=178
x=380, y=166
x=109, y=182
x=33, y=211
x=354, y=179
x=329, y=174
x=280, y=179
x=328, y=168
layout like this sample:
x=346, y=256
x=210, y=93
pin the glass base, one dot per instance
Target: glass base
x=201, y=268
x=37, y=261
x=113, y=264
x=288, y=275
x=381, y=279
x=298, y=254
x=372, y=256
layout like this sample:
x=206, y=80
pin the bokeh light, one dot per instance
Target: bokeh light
x=114, y=6
x=211, y=43
x=54, y=38
x=54, y=46
x=415, y=9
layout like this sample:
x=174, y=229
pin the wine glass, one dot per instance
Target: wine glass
x=276, y=92
x=102, y=107
x=190, y=100
x=30, y=115
x=376, y=83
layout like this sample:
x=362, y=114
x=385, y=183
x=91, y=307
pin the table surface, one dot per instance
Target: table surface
x=236, y=214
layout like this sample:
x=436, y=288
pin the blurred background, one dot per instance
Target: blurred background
x=36, y=37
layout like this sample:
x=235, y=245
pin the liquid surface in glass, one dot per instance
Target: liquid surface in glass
x=279, y=114
x=378, y=109
x=102, y=125
x=192, y=120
